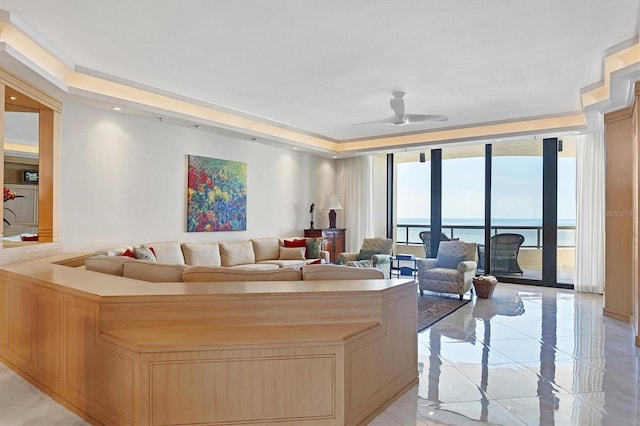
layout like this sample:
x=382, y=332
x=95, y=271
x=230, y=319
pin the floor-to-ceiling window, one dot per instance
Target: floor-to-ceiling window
x=529, y=200
x=463, y=193
x=516, y=209
x=413, y=201
x=566, y=210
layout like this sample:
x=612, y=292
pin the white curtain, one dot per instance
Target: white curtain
x=354, y=185
x=590, y=213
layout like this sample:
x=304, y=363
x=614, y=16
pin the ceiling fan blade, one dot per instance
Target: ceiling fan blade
x=390, y=120
x=422, y=118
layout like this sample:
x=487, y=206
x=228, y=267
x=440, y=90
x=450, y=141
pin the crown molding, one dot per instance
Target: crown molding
x=32, y=53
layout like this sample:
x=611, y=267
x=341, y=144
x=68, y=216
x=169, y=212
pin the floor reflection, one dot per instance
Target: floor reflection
x=528, y=355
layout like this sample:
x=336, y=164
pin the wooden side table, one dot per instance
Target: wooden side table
x=332, y=240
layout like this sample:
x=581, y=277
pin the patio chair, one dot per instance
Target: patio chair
x=425, y=236
x=504, y=254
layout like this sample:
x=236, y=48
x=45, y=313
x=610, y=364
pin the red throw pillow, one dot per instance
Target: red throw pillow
x=29, y=237
x=296, y=243
x=128, y=253
x=153, y=251
x=317, y=262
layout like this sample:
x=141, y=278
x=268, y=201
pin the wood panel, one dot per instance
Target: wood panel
x=94, y=374
x=227, y=390
x=48, y=333
x=23, y=318
x=620, y=212
x=5, y=314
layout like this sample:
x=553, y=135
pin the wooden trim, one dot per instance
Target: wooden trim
x=46, y=101
x=620, y=317
x=48, y=159
x=618, y=115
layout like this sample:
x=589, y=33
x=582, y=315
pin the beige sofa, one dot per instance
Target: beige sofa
x=262, y=259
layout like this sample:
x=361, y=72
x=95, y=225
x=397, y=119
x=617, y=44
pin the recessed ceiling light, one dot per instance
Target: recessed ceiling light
x=335, y=156
x=116, y=108
x=498, y=140
x=295, y=147
x=13, y=98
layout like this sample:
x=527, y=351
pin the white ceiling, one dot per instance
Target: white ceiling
x=320, y=66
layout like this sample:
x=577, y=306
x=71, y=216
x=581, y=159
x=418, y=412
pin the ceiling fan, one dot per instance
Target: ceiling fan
x=400, y=118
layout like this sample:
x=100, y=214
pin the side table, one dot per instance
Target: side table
x=404, y=265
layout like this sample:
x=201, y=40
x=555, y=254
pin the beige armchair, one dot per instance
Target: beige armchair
x=375, y=253
x=452, y=272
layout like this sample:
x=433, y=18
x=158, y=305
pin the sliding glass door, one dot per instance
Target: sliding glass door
x=516, y=200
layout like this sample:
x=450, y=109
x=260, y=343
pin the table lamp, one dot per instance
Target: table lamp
x=332, y=204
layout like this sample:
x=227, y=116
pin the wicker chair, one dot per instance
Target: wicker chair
x=425, y=236
x=504, y=254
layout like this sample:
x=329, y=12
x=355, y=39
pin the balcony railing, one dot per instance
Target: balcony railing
x=408, y=233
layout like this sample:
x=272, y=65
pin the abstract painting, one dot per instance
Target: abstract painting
x=217, y=195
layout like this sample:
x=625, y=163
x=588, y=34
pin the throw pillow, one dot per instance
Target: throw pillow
x=296, y=243
x=128, y=253
x=367, y=254
x=449, y=261
x=144, y=253
x=292, y=253
x=314, y=246
x=316, y=262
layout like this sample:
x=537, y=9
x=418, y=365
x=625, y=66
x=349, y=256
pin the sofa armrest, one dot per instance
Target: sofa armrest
x=324, y=255
x=425, y=264
x=379, y=259
x=345, y=257
x=467, y=266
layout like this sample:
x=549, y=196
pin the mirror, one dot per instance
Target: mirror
x=21, y=170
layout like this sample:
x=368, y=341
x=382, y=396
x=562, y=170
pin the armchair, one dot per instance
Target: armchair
x=452, y=271
x=375, y=253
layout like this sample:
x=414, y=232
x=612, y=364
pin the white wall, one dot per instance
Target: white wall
x=123, y=181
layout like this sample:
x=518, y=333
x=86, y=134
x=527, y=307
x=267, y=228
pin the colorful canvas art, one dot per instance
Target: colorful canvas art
x=217, y=195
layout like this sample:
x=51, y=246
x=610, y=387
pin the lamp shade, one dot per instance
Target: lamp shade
x=331, y=202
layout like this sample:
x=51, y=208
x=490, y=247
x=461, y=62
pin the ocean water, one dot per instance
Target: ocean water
x=532, y=237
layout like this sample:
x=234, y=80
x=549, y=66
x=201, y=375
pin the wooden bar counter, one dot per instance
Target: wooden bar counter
x=122, y=351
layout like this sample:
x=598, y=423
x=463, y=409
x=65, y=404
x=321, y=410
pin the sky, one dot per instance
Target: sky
x=516, y=188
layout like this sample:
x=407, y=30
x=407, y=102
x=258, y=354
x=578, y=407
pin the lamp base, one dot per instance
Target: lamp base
x=332, y=219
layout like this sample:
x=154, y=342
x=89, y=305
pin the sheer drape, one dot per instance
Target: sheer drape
x=590, y=213
x=354, y=185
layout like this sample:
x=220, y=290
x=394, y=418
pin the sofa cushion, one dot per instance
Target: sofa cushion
x=201, y=254
x=285, y=263
x=266, y=248
x=153, y=271
x=262, y=266
x=292, y=253
x=237, y=253
x=114, y=251
x=167, y=252
x=106, y=264
x=208, y=274
x=339, y=272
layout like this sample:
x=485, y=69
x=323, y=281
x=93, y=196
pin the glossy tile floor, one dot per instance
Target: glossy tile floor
x=529, y=355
